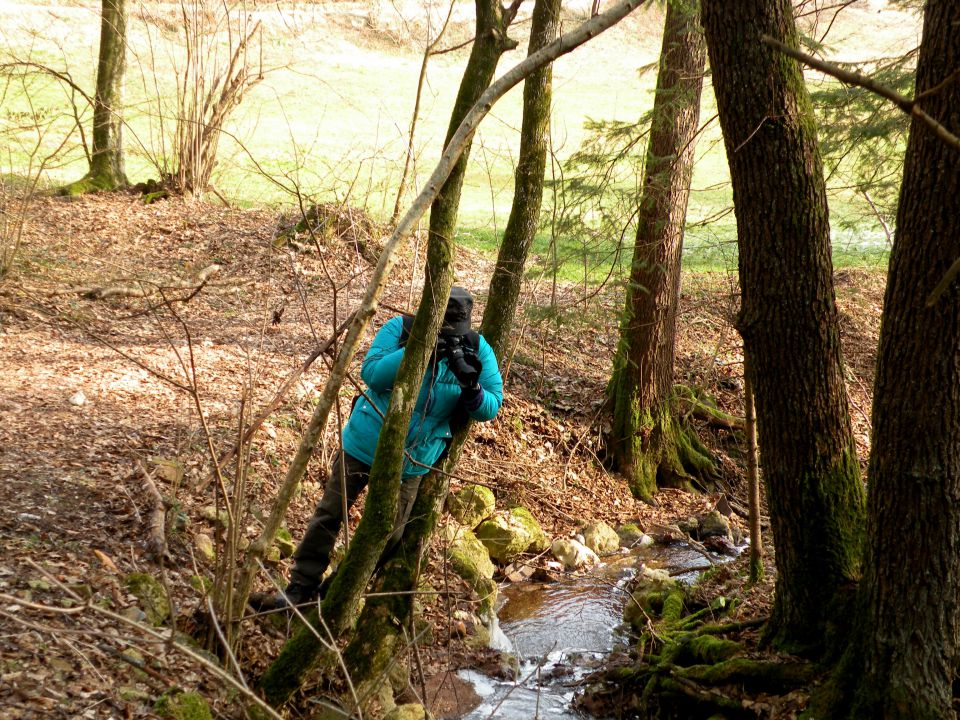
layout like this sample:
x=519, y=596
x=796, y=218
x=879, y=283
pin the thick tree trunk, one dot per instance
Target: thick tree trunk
x=106, y=161
x=643, y=437
x=903, y=660
x=788, y=316
x=527, y=187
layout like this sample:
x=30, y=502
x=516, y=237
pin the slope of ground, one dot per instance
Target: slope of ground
x=89, y=399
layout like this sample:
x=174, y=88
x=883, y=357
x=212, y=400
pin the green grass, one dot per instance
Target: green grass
x=332, y=113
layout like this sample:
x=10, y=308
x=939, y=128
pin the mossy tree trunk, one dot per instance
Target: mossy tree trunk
x=902, y=662
x=106, y=160
x=383, y=625
x=644, y=439
x=788, y=317
x=524, y=218
x=490, y=42
x=302, y=652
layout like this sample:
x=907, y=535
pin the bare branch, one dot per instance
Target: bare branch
x=850, y=77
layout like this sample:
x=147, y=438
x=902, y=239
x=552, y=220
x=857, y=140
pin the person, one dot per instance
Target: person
x=462, y=380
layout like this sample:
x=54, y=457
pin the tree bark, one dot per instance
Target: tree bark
x=788, y=316
x=382, y=627
x=106, y=162
x=903, y=659
x=490, y=42
x=643, y=439
x=524, y=218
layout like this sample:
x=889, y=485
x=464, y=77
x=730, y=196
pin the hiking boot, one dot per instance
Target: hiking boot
x=296, y=595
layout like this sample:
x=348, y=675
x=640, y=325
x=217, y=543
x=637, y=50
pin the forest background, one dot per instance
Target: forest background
x=328, y=122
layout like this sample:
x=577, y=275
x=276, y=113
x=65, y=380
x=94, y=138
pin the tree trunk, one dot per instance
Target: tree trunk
x=643, y=440
x=382, y=627
x=490, y=42
x=903, y=659
x=106, y=162
x=302, y=653
x=299, y=655
x=527, y=187
x=788, y=316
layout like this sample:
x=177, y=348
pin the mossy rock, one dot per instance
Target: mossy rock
x=284, y=542
x=714, y=524
x=508, y=534
x=540, y=541
x=600, y=537
x=411, y=711
x=469, y=557
x=183, y=706
x=203, y=544
x=471, y=505
x=631, y=536
x=151, y=596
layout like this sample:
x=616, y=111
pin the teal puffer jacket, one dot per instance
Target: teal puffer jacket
x=439, y=394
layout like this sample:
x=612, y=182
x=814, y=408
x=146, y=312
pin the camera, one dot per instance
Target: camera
x=450, y=347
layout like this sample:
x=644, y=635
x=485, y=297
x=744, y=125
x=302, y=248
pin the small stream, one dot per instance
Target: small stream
x=561, y=631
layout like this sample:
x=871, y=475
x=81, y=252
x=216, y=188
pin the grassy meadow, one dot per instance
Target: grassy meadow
x=330, y=116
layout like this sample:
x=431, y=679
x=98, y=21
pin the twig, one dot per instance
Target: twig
x=284, y=388
x=156, y=517
x=156, y=635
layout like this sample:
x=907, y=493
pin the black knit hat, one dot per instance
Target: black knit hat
x=456, y=320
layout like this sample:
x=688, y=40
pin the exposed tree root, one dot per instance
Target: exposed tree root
x=684, y=668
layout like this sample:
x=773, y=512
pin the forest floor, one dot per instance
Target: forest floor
x=91, y=397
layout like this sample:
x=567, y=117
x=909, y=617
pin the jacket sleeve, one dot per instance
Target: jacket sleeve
x=491, y=382
x=379, y=370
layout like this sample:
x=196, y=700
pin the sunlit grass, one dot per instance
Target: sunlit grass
x=330, y=118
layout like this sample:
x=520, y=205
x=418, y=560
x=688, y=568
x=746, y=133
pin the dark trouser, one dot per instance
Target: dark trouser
x=313, y=554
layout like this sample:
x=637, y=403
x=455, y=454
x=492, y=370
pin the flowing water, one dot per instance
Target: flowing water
x=562, y=631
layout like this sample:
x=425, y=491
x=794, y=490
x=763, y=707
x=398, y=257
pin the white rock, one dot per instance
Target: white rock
x=78, y=398
x=573, y=554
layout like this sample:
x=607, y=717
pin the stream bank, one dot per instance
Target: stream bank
x=560, y=632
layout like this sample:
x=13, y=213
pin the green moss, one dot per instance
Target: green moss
x=151, y=595
x=183, y=706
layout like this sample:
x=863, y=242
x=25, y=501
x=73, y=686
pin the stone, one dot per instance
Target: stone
x=272, y=556
x=151, y=596
x=210, y=514
x=573, y=554
x=284, y=542
x=471, y=505
x=471, y=561
x=468, y=555
x=713, y=524
x=410, y=711
x=600, y=537
x=650, y=589
x=690, y=526
x=503, y=539
x=170, y=470
x=129, y=693
x=134, y=613
x=540, y=541
x=204, y=546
